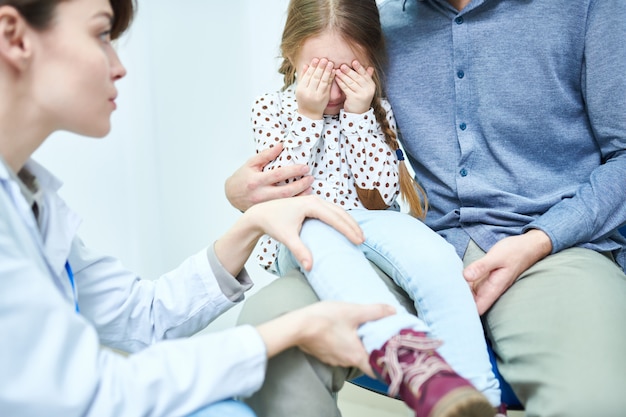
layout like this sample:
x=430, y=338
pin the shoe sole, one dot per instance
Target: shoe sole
x=463, y=402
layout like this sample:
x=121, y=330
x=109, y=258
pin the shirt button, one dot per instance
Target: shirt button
x=462, y=126
x=460, y=74
x=463, y=172
x=459, y=20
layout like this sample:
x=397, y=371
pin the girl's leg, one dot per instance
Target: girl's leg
x=427, y=267
x=227, y=408
x=400, y=351
x=341, y=272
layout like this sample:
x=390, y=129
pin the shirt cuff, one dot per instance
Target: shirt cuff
x=304, y=132
x=232, y=287
x=354, y=124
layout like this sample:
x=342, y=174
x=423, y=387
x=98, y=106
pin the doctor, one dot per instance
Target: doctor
x=61, y=302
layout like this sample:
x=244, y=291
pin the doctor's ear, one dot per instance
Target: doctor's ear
x=15, y=48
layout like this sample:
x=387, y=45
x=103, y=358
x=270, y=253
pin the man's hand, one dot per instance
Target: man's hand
x=250, y=185
x=490, y=276
x=358, y=86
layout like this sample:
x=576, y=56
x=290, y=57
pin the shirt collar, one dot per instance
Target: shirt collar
x=32, y=178
x=26, y=181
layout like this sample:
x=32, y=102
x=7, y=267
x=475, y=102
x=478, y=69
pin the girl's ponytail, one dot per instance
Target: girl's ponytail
x=410, y=190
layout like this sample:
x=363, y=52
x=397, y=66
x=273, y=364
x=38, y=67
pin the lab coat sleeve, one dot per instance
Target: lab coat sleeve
x=52, y=362
x=131, y=313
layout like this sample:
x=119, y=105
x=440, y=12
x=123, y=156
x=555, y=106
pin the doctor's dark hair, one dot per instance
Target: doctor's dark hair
x=358, y=23
x=40, y=13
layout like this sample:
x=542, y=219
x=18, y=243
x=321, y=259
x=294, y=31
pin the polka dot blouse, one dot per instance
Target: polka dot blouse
x=343, y=152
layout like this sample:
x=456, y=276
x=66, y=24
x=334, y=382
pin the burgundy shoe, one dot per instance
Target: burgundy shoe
x=410, y=365
x=501, y=411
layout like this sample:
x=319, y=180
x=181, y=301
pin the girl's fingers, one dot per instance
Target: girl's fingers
x=307, y=72
x=341, y=83
x=328, y=75
x=321, y=75
x=362, y=71
x=351, y=78
x=356, y=78
x=345, y=81
x=358, y=68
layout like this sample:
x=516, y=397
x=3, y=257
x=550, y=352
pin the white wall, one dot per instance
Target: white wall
x=152, y=192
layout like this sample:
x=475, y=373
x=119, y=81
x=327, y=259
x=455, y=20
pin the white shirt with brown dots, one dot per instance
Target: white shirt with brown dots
x=342, y=151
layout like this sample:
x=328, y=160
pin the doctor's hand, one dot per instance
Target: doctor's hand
x=282, y=219
x=326, y=330
x=490, y=276
x=250, y=185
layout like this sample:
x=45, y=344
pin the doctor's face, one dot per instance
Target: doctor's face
x=76, y=67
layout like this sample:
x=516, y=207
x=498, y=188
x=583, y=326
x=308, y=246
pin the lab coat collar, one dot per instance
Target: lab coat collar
x=58, y=224
x=46, y=179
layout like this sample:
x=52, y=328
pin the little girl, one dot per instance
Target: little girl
x=334, y=119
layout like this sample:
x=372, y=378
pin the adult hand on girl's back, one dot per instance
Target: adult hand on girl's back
x=358, y=86
x=250, y=185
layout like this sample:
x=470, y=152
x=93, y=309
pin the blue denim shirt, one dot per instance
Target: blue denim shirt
x=513, y=116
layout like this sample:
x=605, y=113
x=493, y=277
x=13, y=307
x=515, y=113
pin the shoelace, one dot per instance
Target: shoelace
x=425, y=365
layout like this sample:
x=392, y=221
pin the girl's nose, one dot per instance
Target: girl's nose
x=336, y=93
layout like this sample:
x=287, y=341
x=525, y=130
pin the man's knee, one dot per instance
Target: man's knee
x=297, y=384
x=559, y=333
x=573, y=399
x=280, y=296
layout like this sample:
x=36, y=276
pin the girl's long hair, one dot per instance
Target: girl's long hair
x=358, y=22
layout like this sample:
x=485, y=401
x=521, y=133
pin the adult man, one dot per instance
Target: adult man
x=513, y=118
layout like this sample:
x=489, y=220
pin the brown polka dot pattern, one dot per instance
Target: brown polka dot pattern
x=342, y=151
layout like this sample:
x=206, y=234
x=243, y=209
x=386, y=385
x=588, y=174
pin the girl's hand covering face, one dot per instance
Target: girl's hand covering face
x=313, y=89
x=358, y=86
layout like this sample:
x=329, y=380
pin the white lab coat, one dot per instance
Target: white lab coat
x=52, y=360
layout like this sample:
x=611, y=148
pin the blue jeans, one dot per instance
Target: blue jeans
x=227, y=408
x=419, y=261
